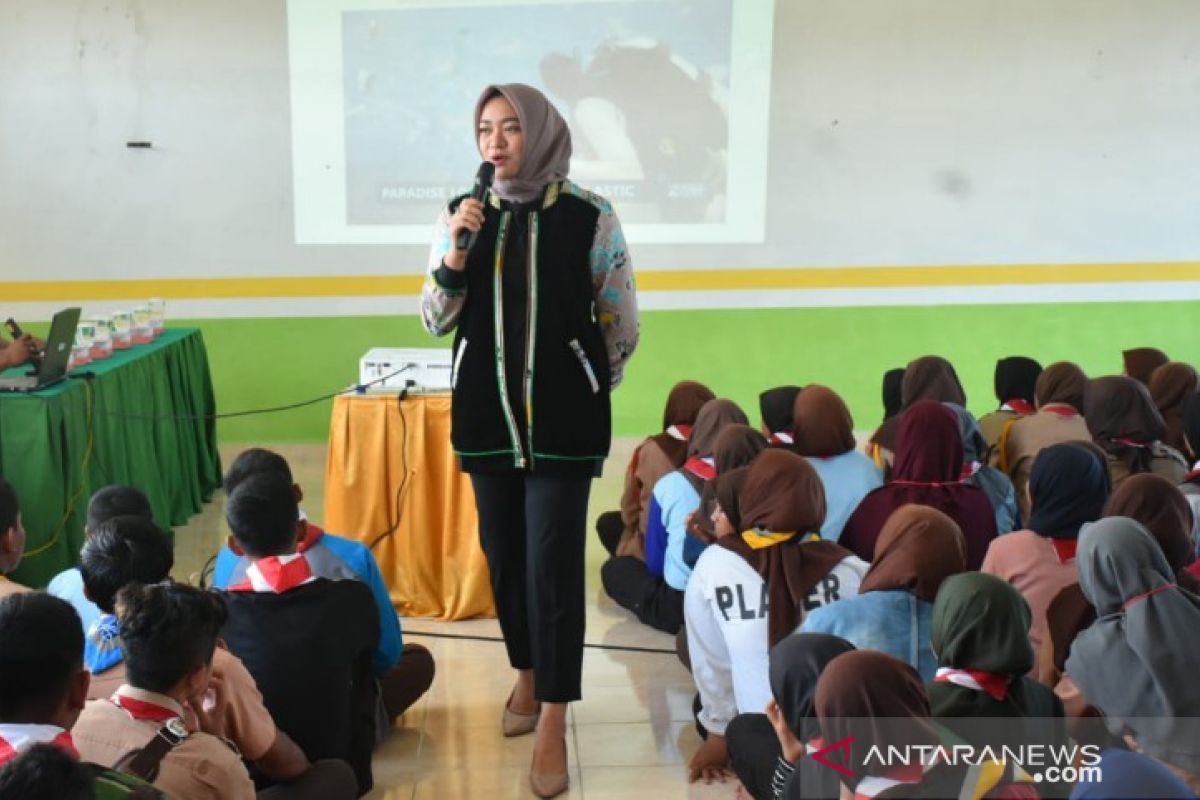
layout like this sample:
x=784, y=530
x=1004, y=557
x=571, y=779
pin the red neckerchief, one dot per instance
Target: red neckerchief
x=1022, y=407
x=1193, y=475
x=1065, y=549
x=1193, y=568
x=1061, y=409
x=1131, y=443
x=996, y=686
x=782, y=437
x=16, y=739
x=701, y=467
x=1147, y=595
x=312, y=535
x=969, y=470
x=276, y=574
x=680, y=432
x=872, y=786
x=142, y=709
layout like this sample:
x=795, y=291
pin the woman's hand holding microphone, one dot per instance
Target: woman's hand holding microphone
x=467, y=217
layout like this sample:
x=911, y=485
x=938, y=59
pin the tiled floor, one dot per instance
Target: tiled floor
x=630, y=736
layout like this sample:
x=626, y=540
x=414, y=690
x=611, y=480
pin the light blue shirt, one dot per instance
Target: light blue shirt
x=68, y=585
x=847, y=479
x=893, y=622
x=677, y=499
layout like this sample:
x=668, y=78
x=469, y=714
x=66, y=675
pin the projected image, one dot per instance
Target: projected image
x=645, y=86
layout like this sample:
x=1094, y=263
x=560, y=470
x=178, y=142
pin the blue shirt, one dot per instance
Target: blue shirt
x=335, y=558
x=893, y=622
x=673, y=499
x=847, y=479
x=68, y=585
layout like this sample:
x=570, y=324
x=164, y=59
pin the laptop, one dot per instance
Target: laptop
x=55, y=358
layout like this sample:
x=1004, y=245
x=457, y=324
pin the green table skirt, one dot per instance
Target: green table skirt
x=140, y=421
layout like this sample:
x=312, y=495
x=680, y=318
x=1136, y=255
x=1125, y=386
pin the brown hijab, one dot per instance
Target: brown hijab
x=1159, y=505
x=683, y=404
x=927, y=378
x=714, y=416
x=1123, y=420
x=1062, y=382
x=822, y=425
x=737, y=445
x=727, y=489
x=918, y=548
x=783, y=494
x=547, y=155
x=1170, y=386
x=1141, y=362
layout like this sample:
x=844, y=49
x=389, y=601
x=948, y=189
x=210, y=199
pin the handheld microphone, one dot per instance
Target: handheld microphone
x=483, y=180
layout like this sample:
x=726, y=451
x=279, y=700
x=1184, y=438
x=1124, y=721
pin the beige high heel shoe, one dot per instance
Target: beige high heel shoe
x=517, y=724
x=550, y=784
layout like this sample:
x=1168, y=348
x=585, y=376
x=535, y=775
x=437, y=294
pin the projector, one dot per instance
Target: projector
x=422, y=370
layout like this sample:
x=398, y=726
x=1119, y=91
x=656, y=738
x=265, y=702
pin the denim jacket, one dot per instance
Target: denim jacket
x=894, y=622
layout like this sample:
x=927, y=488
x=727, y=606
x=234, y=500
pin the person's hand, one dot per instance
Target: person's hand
x=711, y=761
x=793, y=748
x=210, y=707
x=20, y=351
x=467, y=217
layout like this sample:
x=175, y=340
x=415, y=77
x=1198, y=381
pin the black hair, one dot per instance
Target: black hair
x=46, y=772
x=117, y=501
x=254, y=461
x=167, y=631
x=121, y=551
x=9, y=507
x=41, y=650
x=262, y=513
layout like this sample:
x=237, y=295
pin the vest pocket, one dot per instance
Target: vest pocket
x=458, y=357
x=577, y=348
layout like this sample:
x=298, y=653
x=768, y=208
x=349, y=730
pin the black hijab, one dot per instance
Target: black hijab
x=1016, y=377
x=1068, y=486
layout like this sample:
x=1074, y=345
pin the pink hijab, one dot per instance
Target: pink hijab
x=547, y=155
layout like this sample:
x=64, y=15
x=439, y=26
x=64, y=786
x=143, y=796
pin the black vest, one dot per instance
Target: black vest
x=556, y=419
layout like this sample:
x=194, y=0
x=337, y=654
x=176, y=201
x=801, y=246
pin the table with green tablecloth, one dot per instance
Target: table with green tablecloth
x=143, y=419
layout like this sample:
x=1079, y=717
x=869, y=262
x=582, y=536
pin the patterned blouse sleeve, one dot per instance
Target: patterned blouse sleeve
x=615, y=292
x=441, y=303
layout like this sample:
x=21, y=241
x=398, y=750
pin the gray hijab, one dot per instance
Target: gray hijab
x=998, y=487
x=1137, y=662
x=547, y=155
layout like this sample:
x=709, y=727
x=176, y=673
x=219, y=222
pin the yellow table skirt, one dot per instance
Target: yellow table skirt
x=432, y=562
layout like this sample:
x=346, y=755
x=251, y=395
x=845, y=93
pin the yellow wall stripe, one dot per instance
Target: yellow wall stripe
x=662, y=281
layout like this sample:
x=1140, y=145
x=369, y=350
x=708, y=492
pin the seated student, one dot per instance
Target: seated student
x=654, y=590
x=880, y=703
x=308, y=641
x=767, y=751
x=980, y=692
x=1136, y=663
x=169, y=632
x=12, y=539
x=43, y=687
x=623, y=533
x=1170, y=386
x=1191, y=482
x=1121, y=775
x=1125, y=424
x=976, y=471
x=109, y=502
x=776, y=407
x=927, y=378
x=1069, y=487
x=917, y=550
x=755, y=586
x=1141, y=362
x=1059, y=397
x=1015, y=379
x=126, y=550
x=736, y=446
x=46, y=772
x=824, y=434
x=928, y=471
x=405, y=670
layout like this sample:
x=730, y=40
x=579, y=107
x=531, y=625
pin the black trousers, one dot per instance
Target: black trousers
x=533, y=530
x=648, y=596
x=753, y=753
x=609, y=527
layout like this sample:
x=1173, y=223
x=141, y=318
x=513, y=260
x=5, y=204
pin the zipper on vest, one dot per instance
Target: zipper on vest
x=530, y=328
x=498, y=290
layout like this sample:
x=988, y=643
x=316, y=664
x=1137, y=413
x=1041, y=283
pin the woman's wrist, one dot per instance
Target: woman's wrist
x=456, y=260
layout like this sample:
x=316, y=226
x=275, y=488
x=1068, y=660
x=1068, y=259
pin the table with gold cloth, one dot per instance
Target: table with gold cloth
x=432, y=562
